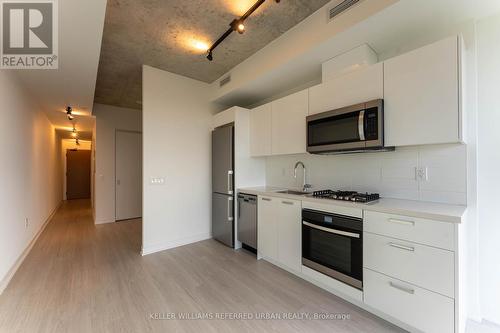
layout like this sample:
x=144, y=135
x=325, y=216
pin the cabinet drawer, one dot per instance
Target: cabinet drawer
x=417, y=307
x=421, y=265
x=429, y=232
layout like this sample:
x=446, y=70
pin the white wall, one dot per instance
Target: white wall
x=488, y=48
x=31, y=173
x=109, y=119
x=177, y=121
x=71, y=144
x=392, y=174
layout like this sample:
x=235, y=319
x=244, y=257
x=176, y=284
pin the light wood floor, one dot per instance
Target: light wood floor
x=85, y=278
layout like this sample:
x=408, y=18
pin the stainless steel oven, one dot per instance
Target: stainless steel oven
x=333, y=245
x=355, y=128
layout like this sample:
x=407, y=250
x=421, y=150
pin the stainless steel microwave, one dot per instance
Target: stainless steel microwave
x=356, y=128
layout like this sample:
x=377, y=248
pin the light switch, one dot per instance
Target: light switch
x=157, y=181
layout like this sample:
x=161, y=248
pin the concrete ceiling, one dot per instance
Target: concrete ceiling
x=161, y=33
x=80, y=35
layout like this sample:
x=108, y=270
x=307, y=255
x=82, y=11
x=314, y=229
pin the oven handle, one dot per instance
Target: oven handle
x=332, y=231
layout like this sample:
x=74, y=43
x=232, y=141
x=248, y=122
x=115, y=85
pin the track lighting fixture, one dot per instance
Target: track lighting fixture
x=235, y=25
x=74, y=133
x=69, y=112
x=77, y=141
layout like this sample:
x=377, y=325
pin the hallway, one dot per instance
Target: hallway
x=85, y=278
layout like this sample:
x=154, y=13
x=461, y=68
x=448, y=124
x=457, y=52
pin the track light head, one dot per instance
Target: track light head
x=241, y=28
x=236, y=25
x=69, y=112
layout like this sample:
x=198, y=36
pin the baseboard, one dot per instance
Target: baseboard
x=6, y=280
x=104, y=221
x=175, y=243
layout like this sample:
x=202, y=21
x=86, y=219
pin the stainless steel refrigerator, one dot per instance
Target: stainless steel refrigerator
x=223, y=184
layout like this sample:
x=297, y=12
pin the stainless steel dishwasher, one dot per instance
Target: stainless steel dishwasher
x=247, y=220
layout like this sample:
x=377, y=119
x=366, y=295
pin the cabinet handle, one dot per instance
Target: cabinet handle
x=411, y=223
x=287, y=202
x=402, y=247
x=401, y=288
x=266, y=199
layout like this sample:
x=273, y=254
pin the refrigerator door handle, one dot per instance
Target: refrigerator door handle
x=230, y=216
x=230, y=182
x=239, y=209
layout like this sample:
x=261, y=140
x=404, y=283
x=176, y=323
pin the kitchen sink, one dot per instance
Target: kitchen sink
x=294, y=192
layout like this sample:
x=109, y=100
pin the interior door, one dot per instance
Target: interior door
x=77, y=174
x=128, y=175
x=222, y=218
x=222, y=160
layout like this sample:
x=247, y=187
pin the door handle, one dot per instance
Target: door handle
x=402, y=247
x=230, y=182
x=287, y=203
x=230, y=216
x=361, y=125
x=266, y=199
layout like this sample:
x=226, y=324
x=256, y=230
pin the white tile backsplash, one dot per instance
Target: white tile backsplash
x=392, y=174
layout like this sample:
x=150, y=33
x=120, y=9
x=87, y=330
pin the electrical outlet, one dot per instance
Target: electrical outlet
x=26, y=223
x=422, y=174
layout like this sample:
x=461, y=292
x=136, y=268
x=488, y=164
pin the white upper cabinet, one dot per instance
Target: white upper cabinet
x=289, y=124
x=422, y=95
x=360, y=86
x=260, y=131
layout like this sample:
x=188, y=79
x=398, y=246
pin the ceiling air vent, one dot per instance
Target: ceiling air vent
x=225, y=81
x=341, y=7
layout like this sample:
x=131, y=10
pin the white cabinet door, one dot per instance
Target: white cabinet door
x=289, y=234
x=260, y=130
x=289, y=124
x=360, y=86
x=422, y=92
x=420, y=308
x=267, y=228
x=421, y=265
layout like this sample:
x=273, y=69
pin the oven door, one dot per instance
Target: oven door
x=334, y=251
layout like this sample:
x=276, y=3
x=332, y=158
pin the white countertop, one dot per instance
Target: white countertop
x=418, y=209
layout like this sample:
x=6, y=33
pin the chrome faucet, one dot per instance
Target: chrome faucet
x=305, y=185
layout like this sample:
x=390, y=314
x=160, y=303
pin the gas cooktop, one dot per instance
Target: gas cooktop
x=347, y=196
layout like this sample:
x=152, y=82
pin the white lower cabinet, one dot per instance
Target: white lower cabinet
x=410, y=265
x=279, y=231
x=289, y=234
x=267, y=228
x=424, y=266
x=420, y=308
